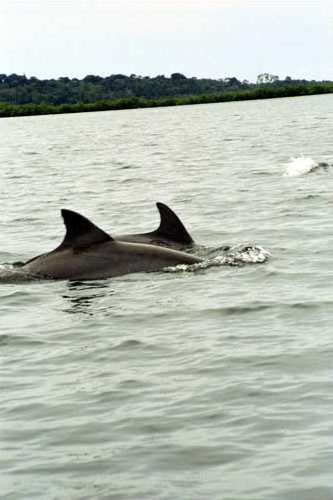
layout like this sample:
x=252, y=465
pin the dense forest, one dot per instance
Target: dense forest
x=20, y=95
x=18, y=89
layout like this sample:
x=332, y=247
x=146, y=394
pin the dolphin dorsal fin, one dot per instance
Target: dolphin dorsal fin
x=171, y=226
x=80, y=232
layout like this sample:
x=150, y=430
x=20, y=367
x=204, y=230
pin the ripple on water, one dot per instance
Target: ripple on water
x=19, y=341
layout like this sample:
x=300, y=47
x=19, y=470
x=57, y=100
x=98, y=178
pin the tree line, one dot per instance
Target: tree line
x=18, y=89
x=20, y=95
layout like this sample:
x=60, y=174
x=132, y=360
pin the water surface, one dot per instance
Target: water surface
x=189, y=385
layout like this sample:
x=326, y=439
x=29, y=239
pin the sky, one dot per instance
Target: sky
x=211, y=38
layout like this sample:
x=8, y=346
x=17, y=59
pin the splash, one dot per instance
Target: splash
x=303, y=165
x=235, y=256
x=246, y=254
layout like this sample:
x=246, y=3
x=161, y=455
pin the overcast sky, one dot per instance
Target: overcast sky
x=211, y=38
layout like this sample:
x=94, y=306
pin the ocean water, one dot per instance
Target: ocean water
x=209, y=384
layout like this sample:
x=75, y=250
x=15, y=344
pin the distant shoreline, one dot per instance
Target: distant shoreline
x=268, y=91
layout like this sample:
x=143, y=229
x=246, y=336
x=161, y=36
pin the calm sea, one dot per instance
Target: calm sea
x=215, y=384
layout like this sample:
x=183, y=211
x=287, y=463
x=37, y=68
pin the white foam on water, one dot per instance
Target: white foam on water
x=236, y=256
x=300, y=166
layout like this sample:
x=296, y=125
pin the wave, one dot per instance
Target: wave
x=303, y=165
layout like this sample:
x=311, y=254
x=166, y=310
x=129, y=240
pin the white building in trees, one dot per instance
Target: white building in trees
x=267, y=78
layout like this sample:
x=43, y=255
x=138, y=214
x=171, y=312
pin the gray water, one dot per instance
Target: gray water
x=214, y=384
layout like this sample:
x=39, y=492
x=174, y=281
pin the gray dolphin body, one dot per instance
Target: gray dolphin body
x=170, y=233
x=87, y=252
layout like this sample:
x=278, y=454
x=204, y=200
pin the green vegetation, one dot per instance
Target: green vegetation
x=21, y=96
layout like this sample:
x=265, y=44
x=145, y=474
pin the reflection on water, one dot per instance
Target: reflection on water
x=82, y=297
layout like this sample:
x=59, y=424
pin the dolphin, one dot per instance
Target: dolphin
x=170, y=233
x=87, y=252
